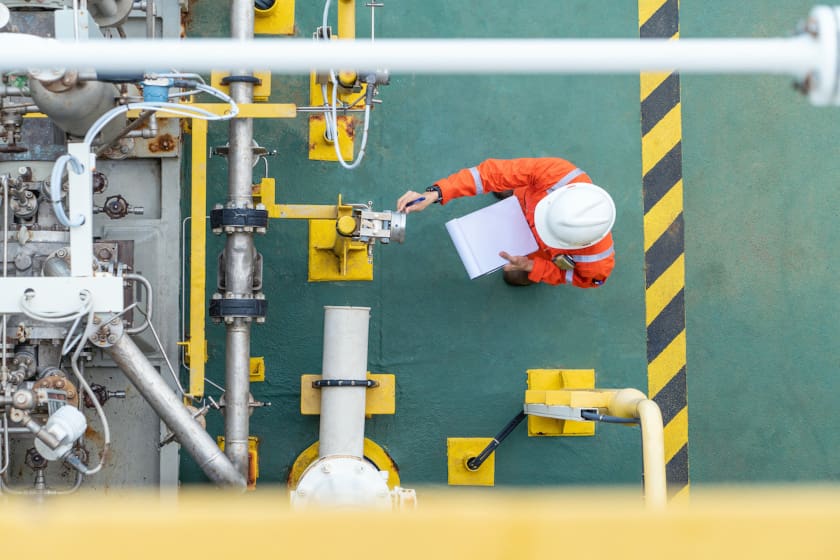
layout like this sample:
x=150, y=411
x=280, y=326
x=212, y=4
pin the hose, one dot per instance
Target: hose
x=596, y=417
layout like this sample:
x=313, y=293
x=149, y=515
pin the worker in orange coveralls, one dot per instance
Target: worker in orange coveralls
x=570, y=217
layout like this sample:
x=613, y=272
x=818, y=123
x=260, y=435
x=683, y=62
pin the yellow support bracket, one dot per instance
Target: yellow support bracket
x=461, y=450
x=246, y=110
x=261, y=92
x=333, y=255
x=279, y=19
x=257, y=369
x=378, y=400
x=253, y=458
x=265, y=191
x=553, y=386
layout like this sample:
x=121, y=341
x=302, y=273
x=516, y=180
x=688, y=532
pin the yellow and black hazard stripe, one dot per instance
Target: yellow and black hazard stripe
x=665, y=244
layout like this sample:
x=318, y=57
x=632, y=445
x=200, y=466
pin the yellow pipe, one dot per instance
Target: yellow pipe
x=346, y=19
x=246, y=110
x=197, y=345
x=632, y=403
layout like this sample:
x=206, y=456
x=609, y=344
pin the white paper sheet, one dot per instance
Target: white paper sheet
x=481, y=235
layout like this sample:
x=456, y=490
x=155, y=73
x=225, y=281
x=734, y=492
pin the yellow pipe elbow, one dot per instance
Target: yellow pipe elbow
x=632, y=403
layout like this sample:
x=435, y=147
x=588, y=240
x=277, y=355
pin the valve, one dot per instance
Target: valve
x=102, y=395
x=117, y=207
x=369, y=226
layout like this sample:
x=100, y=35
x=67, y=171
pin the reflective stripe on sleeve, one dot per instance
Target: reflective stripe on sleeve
x=479, y=186
x=569, y=275
x=568, y=178
x=594, y=258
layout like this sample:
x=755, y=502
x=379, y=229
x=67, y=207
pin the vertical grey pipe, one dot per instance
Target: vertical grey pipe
x=198, y=443
x=239, y=255
x=150, y=19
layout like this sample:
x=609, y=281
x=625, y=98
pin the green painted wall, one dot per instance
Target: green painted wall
x=760, y=210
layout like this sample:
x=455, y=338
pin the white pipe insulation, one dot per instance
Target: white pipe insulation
x=342, y=429
x=796, y=55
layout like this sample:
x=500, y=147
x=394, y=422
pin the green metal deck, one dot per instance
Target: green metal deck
x=761, y=205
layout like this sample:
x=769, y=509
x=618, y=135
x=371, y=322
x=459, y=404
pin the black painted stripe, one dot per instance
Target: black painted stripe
x=665, y=250
x=661, y=100
x=676, y=471
x=671, y=398
x=665, y=174
x=667, y=325
x=665, y=23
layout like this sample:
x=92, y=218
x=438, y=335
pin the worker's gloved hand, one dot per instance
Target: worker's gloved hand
x=413, y=201
x=517, y=262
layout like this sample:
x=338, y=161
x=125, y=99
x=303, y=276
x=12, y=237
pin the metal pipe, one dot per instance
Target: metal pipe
x=150, y=19
x=239, y=255
x=136, y=123
x=4, y=181
x=197, y=442
x=796, y=55
x=342, y=430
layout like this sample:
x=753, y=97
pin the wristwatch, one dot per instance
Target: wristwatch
x=435, y=188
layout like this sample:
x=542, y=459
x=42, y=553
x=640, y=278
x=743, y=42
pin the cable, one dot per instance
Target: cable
x=55, y=189
x=163, y=352
x=596, y=417
x=90, y=328
x=100, y=123
x=53, y=316
x=331, y=116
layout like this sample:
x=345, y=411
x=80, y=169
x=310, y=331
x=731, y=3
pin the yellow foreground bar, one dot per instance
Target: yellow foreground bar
x=785, y=523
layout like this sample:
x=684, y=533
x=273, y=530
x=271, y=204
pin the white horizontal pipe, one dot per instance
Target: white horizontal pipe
x=796, y=56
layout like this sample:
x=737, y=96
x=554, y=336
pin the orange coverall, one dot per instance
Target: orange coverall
x=530, y=179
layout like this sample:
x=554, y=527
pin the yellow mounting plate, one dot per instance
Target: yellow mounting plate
x=373, y=453
x=257, y=372
x=320, y=149
x=279, y=19
x=378, y=400
x=325, y=265
x=261, y=92
x=546, y=386
x=461, y=450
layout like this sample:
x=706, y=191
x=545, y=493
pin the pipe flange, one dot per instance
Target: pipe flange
x=345, y=383
x=111, y=330
x=227, y=80
x=232, y=220
x=822, y=86
x=238, y=307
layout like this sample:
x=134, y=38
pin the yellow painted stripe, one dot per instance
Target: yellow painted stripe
x=661, y=138
x=676, y=434
x=649, y=81
x=197, y=345
x=664, y=289
x=682, y=497
x=665, y=366
x=659, y=218
x=647, y=8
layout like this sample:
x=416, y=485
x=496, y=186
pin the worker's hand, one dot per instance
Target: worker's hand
x=517, y=263
x=406, y=203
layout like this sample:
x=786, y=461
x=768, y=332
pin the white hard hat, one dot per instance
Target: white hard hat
x=574, y=216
